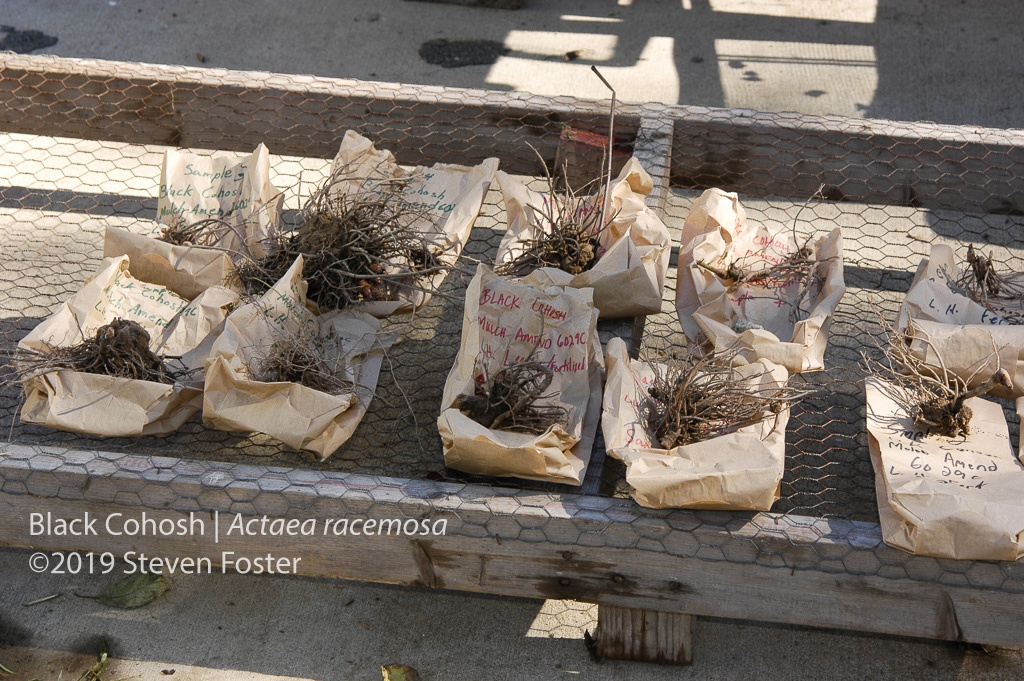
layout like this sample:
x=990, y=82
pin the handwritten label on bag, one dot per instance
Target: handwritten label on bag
x=150, y=305
x=199, y=190
x=548, y=336
x=910, y=453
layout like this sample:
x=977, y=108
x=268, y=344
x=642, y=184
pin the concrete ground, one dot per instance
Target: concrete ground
x=947, y=61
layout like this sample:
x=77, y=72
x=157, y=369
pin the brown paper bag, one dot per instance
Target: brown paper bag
x=188, y=270
x=239, y=192
x=301, y=417
x=629, y=276
x=194, y=188
x=106, y=406
x=944, y=497
x=507, y=321
x=778, y=324
x=450, y=198
x=739, y=471
x=950, y=329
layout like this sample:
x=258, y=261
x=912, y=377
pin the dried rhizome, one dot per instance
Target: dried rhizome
x=935, y=398
x=601, y=236
x=767, y=292
x=121, y=357
x=523, y=398
x=212, y=211
x=698, y=431
x=987, y=283
x=119, y=349
x=695, y=397
x=515, y=398
x=306, y=358
x=302, y=378
x=361, y=247
x=947, y=478
x=374, y=236
x=954, y=321
x=568, y=224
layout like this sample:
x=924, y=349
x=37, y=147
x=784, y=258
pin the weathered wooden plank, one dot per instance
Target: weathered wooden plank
x=643, y=635
x=873, y=161
x=500, y=544
x=756, y=153
x=293, y=115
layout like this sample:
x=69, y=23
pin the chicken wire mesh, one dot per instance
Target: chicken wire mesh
x=93, y=159
x=828, y=470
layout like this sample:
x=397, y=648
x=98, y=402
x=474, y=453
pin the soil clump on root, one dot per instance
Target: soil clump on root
x=509, y=400
x=119, y=349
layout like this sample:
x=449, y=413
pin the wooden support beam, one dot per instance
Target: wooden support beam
x=756, y=153
x=643, y=635
x=535, y=546
x=292, y=115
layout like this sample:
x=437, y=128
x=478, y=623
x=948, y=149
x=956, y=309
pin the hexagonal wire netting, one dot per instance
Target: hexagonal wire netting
x=61, y=185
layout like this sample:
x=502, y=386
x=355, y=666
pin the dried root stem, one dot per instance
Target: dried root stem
x=300, y=359
x=799, y=268
x=119, y=349
x=933, y=396
x=569, y=224
x=696, y=398
x=1001, y=293
x=358, y=247
x=509, y=400
x=794, y=269
x=207, y=233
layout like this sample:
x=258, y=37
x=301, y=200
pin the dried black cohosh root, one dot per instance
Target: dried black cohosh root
x=800, y=268
x=357, y=247
x=796, y=268
x=1002, y=293
x=509, y=400
x=932, y=396
x=696, y=398
x=567, y=233
x=301, y=360
x=119, y=349
x=206, y=233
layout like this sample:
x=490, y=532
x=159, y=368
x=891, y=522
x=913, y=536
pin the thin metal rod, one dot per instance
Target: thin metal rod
x=611, y=142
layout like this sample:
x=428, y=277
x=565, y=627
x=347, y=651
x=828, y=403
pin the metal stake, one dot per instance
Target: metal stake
x=611, y=141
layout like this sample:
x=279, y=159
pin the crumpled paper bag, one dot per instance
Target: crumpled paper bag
x=629, y=276
x=239, y=192
x=190, y=270
x=948, y=328
x=194, y=188
x=507, y=321
x=758, y=320
x=738, y=471
x=301, y=417
x=106, y=406
x=449, y=196
x=948, y=498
